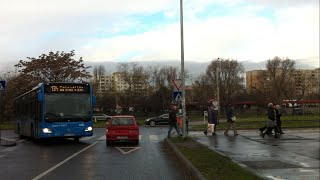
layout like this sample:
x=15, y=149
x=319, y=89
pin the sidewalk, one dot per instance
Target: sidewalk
x=7, y=139
x=295, y=155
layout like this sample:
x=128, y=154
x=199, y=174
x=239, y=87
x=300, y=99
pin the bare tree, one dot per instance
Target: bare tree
x=229, y=74
x=98, y=72
x=280, y=79
x=202, y=90
x=161, y=86
x=136, y=79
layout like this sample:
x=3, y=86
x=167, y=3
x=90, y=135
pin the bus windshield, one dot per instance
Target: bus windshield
x=67, y=107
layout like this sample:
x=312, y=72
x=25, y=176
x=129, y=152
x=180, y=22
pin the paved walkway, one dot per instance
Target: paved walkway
x=295, y=155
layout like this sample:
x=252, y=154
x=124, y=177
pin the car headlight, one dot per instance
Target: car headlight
x=89, y=128
x=46, y=130
x=147, y=120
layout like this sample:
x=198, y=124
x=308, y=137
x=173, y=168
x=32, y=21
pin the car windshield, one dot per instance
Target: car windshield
x=122, y=121
x=67, y=107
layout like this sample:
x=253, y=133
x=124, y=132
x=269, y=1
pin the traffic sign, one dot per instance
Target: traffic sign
x=177, y=85
x=177, y=96
x=2, y=85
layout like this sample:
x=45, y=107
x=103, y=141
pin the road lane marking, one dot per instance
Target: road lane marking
x=17, y=140
x=2, y=156
x=88, y=138
x=20, y=140
x=305, y=165
x=306, y=170
x=153, y=138
x=9, y=149
x=62, y=162
x=121, y=149
x=6, y=139
x=275, y=178
x=102, y=138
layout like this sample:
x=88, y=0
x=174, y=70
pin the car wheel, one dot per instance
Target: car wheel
x=109, y=143
x=136, y=142
x=76, y=140
x=152, y=123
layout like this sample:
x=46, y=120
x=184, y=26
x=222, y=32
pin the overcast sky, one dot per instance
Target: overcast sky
x=149, y=30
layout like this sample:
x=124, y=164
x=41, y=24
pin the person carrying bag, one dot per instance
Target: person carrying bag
x=231, y=118
x=212, y=120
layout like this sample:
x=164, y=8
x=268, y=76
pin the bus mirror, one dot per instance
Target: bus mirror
x=94, y=100
x=40, y=97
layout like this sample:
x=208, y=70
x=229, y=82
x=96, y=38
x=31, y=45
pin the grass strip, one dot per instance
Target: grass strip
x=7, y=125
x=210, y=163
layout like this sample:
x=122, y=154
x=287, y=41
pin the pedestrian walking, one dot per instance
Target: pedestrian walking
x=187, y=123
x=278, y=118
x=271, y=123
x=265, y=126
x=173, y=120
x=212, y=120
x=230, y=120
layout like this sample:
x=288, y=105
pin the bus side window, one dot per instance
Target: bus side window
x=39, y=109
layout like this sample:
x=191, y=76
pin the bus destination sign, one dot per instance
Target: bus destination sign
x=67, y=88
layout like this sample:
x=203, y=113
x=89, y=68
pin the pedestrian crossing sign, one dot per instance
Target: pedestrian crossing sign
x=2, y=85
x=177, y=96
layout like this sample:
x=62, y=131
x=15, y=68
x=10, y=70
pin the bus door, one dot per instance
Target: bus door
x=37, y=116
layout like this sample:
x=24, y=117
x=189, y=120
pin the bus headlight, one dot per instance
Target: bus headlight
x=46, y=130
x=89, y=128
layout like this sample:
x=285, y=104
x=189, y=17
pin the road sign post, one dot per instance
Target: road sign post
x=2, y=90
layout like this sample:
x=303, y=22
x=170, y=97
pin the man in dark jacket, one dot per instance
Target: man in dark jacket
x=271, y=124
x=231, y=124
x=278, y=118
x=269, y=114
x=173, y=121
x=212, y=119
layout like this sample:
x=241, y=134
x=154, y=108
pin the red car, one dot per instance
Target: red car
x=122, y=128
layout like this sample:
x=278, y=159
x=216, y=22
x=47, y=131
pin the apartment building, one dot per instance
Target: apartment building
x=116, y=82
x=307, y=80
x=253, y=79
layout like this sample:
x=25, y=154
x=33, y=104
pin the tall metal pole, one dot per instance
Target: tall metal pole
x=218, y=88
x=182, y=73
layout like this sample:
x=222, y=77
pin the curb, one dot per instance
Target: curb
x=4, y=142
x=195, y=172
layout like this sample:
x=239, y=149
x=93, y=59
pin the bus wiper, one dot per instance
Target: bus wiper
x=75, y=116
x=52, y=114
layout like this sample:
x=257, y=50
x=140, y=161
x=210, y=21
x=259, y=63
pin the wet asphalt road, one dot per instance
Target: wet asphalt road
x=90, y=159
x=295, y=155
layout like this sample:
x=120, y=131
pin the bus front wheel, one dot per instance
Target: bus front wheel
x=33, y=138
x=76, y=139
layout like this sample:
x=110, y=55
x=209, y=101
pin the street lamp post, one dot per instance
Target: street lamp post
x=218, y=88
x=182, y=73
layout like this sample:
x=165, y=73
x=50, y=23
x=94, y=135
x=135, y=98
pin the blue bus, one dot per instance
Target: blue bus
x=55, y=110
